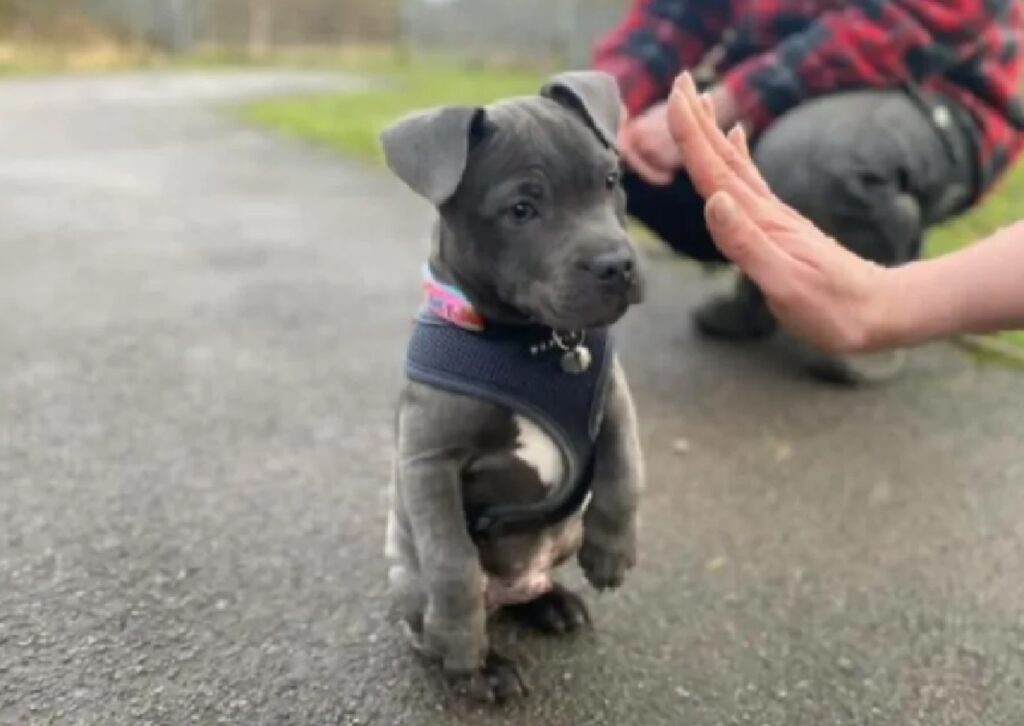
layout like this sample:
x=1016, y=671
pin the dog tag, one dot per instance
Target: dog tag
x=576, y=361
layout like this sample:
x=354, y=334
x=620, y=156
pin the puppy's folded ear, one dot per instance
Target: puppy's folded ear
x=594, y=95
x=428, y=150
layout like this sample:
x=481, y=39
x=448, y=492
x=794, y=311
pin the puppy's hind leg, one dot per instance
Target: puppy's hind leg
x=498, y=679
x=408, y=597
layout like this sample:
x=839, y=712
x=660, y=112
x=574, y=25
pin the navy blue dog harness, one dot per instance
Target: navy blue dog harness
x=519, y=369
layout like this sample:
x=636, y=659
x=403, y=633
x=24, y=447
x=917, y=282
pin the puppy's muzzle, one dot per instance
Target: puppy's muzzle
x=616, y=273
x=617, y=268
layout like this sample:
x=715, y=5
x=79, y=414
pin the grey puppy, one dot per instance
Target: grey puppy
x=517, y=441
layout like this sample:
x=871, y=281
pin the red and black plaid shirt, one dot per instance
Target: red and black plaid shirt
x=780, y=53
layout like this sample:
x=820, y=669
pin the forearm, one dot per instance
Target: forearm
x=619, y=469
x=609, y=546
x=979, y=289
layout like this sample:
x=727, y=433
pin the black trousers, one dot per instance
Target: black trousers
x=871, y=168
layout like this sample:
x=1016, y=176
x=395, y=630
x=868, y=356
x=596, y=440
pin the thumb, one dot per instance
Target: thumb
x=743, y=242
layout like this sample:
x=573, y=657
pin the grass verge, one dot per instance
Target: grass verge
x=350, y=123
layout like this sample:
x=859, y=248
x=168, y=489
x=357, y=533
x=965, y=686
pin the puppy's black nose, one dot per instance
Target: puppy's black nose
x=613, y=267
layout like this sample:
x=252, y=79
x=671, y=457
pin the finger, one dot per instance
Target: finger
x=641, y=163
x=741, y=240
x=702, y=158
x=733, y=150
x=707, y=106
x=761, y=204
x=646, y=171
x=738, y=160
x=656, y=175
x=663, y=158
x=649, y=157
x=738, y=138
x=745, y=167
x=734, y=153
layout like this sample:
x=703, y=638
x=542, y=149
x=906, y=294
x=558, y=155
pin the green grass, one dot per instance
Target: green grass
x=350, y=123
x=1000, y=208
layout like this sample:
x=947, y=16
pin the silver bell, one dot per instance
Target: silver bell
x=576, y=361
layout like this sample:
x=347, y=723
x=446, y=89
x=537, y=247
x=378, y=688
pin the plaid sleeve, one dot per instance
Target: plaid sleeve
x=654, y=42
x=864, y=44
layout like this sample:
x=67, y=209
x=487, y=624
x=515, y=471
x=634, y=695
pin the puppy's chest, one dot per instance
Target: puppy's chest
x=521, y=466
x=523, y=379
x=538, y=451
x=524, y=470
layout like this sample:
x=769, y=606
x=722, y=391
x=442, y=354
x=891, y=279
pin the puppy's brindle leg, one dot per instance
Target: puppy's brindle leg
x=436, y=433
x=610, y=523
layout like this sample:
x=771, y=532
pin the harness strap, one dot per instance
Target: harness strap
x=497, y=365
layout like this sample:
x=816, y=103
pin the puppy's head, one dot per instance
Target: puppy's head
x=532, y=209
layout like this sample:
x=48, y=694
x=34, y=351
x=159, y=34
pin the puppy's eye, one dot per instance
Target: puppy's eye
x=612, y=180
x=522, y=212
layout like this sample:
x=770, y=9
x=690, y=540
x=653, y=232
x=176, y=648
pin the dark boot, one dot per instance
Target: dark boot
x=857, y=370
x=742, y=315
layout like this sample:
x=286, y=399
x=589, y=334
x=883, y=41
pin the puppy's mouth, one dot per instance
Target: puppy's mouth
x=581, y=309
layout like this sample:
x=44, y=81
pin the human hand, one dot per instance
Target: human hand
x=815, y=287
x=646, y=142
x=647, y=146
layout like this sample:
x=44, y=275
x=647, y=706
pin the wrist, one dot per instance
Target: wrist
x=908, y=314
x=887, y=322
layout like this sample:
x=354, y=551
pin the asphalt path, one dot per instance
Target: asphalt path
x=201, y=330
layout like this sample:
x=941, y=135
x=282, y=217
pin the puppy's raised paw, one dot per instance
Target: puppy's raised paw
x=497, y=682
x=557, y=612
x=605, y=566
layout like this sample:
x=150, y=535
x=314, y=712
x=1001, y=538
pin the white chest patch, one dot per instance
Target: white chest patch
x=535, y=448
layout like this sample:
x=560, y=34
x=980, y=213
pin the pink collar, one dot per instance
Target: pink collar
x=450, y=303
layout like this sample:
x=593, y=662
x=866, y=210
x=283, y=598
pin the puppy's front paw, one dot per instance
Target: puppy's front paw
x=499, y=680
x=606, y=560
